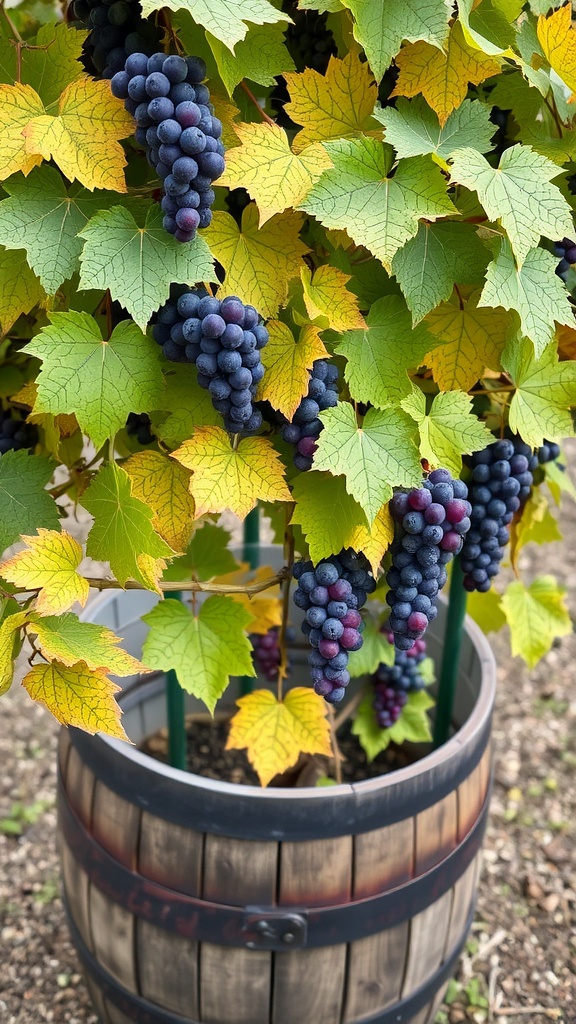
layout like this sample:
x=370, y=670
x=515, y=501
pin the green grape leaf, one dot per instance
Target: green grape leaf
x=373, y=458
x=20, y=289
x=190, y=406
x=204, y=650
x=313, y=494
x=379, y=356
x=381, y=27
x=413, y=724
x=259, y=57
x=414, y=129
x=122, y=533
x=53, y=62
x=536, y=615
x=225, y=19
x=450, y=429
x=428, y=266
x=376, y=650
x=25, y=503
x=208, y=555
x=534, y=290
x=486, y=610
x=559, y=482
x=377, y=211
x=545, y=392
x=42, y=218
x=137, y=264
x=99, y=381
x=518, y=193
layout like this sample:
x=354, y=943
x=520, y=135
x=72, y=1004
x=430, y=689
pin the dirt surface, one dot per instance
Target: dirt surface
x=520, y=963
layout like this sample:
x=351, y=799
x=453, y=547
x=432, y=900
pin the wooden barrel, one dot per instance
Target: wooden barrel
x=192, y=900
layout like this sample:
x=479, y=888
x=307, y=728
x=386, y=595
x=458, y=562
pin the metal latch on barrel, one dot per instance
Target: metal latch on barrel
x=265, y=928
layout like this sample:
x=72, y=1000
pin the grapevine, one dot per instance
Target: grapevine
x=116, y=30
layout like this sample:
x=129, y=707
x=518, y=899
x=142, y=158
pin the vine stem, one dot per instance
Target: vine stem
x=253, y=100
x=12, y=26
x=186, y=585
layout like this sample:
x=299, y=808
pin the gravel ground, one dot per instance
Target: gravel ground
x=520, y=963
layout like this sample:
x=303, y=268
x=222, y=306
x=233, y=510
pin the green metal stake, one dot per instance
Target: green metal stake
x=251, y=554
x=451, y=657
x=176, y=713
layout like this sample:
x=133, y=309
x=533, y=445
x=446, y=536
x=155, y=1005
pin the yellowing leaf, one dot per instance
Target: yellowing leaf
x=275, y=734
x=66, y=639
x=265, y=608
x=373, y=541
x=535, y=525
x=442, y=77
x=77, y=696
x=267, y=168
x=333, y=105
x=19, y=105
x=470, y=340
x=287, y=363
x=558, y=40
x=536, y=616
x=328, y=301
x=259, y=262
x=231, y=478
x=49, y=564
x=8, y=636
x=162, y=484
x=566, y=341
x=83, y=138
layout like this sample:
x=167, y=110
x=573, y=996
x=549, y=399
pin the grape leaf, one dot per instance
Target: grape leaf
x=413, y=128
x=25, y=504
x=20, y=289
x=208, y=555
x=546, y=389
x=533, y=290
x=49, y=564
x=377, y=211
x=468, y=340
x=259, y=57
x=485, y=29
x=204, y=650
x=536, y=525
x=442, y=75
x=486, y=610
x=265, y=609
x=333, y=105
x=52, y=62
x=163, y=485
x=379, y=356
x=413, y=724
x=325, y=535
x=328, y=301
x=267, y=168
x=20, y=104
x=536, y=615
x=287, y=362
x=373, y=541
x=518, y=193
x=225, y=19
x=259, y=262
x=122, y=533
x=559, y=481
x=10, y=645
x=374, y=458
x=276, y=733
x=235, y=478
x=449, y=431
x=138, y=264
x=427, y=266
x=66, y=639
x=380, y=28
x=78, y=696
x=190, y=406
x=558, y=40
x=376, y=650
x=98, y=380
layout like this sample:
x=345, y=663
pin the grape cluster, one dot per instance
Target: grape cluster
x=309, y=41
x=182, y=137
x=393, y=683
x=548, y=452
x=331, y=595
x=566, y=253
x=305, y=428
x=223, y=338
x=267, y=653
x=117, y=29
x=431, y=523
x=16, y=433
x=139, y=425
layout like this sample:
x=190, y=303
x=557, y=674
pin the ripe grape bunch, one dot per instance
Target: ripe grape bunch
x=267, y=653
x=182, y=137
x=117, y=29
x=223, y=338
x=431, y=523
x=393, y=683
x=15, y=433
x=305, y=428
x=331, y=594
x=566, y=253
x=309, y=40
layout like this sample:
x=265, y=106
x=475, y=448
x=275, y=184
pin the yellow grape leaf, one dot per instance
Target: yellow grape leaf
x=49, y=564
x=373, y=541
x=19, y=104
x=8, y=635
x=227, y=113
x=163, y=485
x=328, y=301
x=536, y=615
x=566, y=341
x=442, y=77
x=259, y=262
x=66, y=639
x=333, y=105
x=275, y=734
x=270, y=172
x=558, y=40
x=470, y=340
x=266, y=608
x=231, y=478
x=83, y=138
x=535, y=525
x=78, y=696
x=287, y=363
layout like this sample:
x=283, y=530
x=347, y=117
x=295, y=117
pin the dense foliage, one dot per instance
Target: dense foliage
x=375, y=288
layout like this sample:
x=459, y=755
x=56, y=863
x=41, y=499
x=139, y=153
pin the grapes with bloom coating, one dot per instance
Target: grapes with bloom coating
x=267, y=653
x=15, y=432
x=305, y=428
x=223, y=339
x=331, y=594
x=393, y=683
x=116, y=29
x=431, y=523
x=566, y=252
